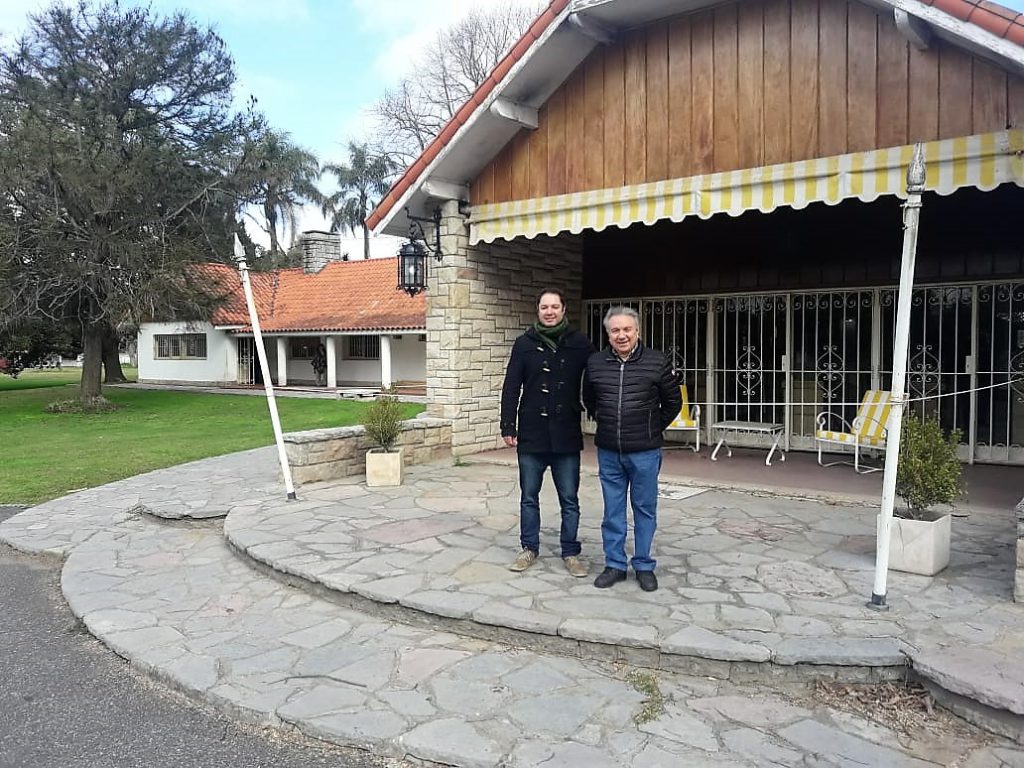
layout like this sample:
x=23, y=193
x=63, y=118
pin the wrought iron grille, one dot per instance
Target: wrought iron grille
x=746, y=357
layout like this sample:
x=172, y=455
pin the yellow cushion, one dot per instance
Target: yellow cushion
x=873, y=414
x=685, y=418
x=831, y=436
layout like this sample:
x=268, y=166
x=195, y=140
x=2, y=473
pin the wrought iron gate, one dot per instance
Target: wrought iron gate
x=749, y=362
x=247, y=360
x=999, y=423
x=833, y=358
x=744, y=357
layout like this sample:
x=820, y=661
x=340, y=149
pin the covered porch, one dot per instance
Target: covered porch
x=781, y=318
x=336, y=361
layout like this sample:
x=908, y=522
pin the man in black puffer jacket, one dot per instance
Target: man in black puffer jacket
x=632, y=392
x=540, y=417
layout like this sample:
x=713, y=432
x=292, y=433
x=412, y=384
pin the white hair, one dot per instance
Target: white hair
x=621, y=310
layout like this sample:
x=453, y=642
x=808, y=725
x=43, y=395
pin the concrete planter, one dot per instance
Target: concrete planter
x=383, y=468
x=920, y=546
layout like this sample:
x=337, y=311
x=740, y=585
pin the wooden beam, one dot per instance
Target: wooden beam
x=595, y=30
x=913, y=29
x=445, y=190
x=523, y=116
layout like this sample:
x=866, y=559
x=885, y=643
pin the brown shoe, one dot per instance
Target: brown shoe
x=575, y=566
x=525, y=559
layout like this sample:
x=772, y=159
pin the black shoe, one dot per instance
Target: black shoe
x=608, y=577
x=648, y=581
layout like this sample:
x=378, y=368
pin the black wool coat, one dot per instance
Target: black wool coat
x=540, y=399
x=633, y=400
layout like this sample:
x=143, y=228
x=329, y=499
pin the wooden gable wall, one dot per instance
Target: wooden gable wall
x=745, y=85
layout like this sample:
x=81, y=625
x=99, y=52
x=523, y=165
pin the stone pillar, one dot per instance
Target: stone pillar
x=385, y=361
x=282, y=361
x=332, y=362
x=479, y=299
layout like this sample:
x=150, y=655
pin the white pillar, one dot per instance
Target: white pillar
x=385, y=362
x=275, y=421
x=332, y=362
x=282, y=361
x=911, y=215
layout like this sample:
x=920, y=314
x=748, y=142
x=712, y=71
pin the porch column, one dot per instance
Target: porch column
x=282, y=361
x=332, y=362
x=385, y=361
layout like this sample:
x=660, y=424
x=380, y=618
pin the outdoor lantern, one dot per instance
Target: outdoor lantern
x=412, y=267
x=412, y=256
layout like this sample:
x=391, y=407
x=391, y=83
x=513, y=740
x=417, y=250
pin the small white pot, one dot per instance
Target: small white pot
x=383, y=468
x=919, y=546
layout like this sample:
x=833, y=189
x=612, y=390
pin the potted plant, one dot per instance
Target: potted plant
x=383, y=424
x=929, y=474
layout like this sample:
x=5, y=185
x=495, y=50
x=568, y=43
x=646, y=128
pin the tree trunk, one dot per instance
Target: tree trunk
x=112, y=373
x=366, y=241
x=271, y=216
x=92, y=363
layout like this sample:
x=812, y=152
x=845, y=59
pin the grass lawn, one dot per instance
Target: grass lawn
x=44, y=455
x=51, y=377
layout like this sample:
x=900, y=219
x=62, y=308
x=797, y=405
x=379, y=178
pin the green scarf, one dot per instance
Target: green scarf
x=551, y=335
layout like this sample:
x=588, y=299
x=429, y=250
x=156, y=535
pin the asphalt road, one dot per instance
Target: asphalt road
x=66, y=701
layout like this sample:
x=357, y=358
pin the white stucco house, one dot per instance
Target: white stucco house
x=369, y=334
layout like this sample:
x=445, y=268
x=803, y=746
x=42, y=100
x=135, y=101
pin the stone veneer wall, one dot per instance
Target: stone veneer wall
x=479, y=299
x=1018, y=582
x=327, y=454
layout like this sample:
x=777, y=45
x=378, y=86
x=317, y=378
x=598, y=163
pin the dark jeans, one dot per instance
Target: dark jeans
x=565, y=471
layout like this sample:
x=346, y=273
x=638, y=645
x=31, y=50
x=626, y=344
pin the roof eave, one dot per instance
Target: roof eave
x=525, y=82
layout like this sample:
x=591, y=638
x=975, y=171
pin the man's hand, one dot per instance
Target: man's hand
x=510, y=442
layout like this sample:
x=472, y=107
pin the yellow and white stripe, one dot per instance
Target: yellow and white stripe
x=984, y=161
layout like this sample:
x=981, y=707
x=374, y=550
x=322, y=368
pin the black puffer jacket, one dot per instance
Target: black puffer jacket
x=540, y=399
x=633, y=401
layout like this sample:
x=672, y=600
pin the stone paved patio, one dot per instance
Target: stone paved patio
x=174, y=599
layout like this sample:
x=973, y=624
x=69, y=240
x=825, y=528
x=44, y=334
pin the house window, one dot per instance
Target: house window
x=180, y=346
x=304, y=350
x=363, y=347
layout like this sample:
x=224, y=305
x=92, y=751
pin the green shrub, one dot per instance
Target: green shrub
x=929, y=471
x=383, y=421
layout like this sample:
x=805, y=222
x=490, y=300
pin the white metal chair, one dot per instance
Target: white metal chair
x=688, y=418
x=868, y=430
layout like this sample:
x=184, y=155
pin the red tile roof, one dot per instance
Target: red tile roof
x=992, y=17
x=224, y=283
x=343, y=296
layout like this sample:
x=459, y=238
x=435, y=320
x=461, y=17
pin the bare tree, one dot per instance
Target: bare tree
x=458, y=60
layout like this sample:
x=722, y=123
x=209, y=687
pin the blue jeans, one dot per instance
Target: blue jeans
x=565, y=471
x=636, y=472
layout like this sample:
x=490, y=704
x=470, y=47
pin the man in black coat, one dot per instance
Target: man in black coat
x=631, y=391
x=540, y=417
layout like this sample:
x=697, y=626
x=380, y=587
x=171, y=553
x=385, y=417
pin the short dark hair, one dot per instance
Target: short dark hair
x=554, y=291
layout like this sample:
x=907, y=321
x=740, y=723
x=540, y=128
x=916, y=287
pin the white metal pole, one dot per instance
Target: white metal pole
x=911, y=214
x=243, y=271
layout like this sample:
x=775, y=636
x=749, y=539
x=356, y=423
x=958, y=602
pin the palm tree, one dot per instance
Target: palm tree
x=283, y=178
x=361, y=184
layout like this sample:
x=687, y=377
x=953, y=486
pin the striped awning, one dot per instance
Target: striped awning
x=984, y=161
